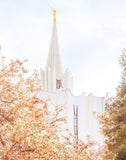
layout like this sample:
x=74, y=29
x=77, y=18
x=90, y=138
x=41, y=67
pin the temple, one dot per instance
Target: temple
x=57, y=85
x=53, y=77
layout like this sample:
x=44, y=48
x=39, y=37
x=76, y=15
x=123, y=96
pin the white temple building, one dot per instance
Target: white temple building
x=57, y=85
x=53, y=78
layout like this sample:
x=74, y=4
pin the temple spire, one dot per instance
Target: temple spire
x=54, y=58
x=53, y=79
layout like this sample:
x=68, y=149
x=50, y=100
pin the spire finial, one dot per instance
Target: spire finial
x=54, y=15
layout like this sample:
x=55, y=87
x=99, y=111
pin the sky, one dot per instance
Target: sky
x=92, y=35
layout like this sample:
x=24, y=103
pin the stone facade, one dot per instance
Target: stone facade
x=58, y=86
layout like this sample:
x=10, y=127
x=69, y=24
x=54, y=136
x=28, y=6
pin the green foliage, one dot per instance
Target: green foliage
x=114, y=119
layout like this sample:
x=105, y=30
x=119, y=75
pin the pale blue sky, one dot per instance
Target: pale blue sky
x=91, y=36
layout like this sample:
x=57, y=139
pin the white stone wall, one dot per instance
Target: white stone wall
x=67, y=80
x=87, y=124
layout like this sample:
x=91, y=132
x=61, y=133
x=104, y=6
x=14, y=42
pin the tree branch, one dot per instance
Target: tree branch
x=28, y=150
x=6, y=101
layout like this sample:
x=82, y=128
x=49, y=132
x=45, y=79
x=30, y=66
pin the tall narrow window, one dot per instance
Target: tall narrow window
x=58, y=84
